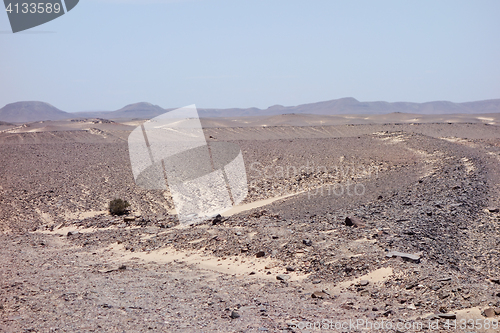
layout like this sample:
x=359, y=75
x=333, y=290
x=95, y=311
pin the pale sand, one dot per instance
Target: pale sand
x=233, y=265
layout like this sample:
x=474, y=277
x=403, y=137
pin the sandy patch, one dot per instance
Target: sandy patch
x=63, y=230
x=469, y=166
x=376, y=276
x=256, y=204
x=233, y=265
x=46, y=217
x=84, y=215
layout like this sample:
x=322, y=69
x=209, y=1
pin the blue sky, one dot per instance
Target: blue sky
x=105, y=54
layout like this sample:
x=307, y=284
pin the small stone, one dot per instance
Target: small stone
x=237, y=233
x=411, y=285
x=283, y=277
x=234, y=314
x=71, y=233
x=274, y=237
x=493, y=209
x=307, y=242
x=444, y=294
x=405, y=256
x=129, y=218
x=412, y=307
x=217, y=220
x=363, y=283
x=445, y=279
x=495, y=280
x=260, y=254
x=316, y=282
x=251, y=273
x=447, y=315
x=497, y=311
x=364, y=293
x=319, y=294
x=489, y=312
x=290, y=269
x=352, y=221
x=387, y=313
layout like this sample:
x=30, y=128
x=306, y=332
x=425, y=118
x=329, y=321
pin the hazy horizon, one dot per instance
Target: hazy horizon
x=105, y=54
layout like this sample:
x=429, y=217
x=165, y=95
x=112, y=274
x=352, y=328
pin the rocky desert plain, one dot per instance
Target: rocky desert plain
x=383, y=223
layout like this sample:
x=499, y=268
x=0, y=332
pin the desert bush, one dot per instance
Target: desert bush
x=118, y=206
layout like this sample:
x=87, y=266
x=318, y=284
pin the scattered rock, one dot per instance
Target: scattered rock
x=234, y=315
x=411, y=285
x=444, y=294
x=283, y=277
x=217, y=220
x=364, y=293
x=307, y=242
x=495, y=280
x=352, y=221
x=319, y=294
x=260, y=254
x=432, y=317
x=363, y=283
x=444, y=279
x=114, y=269
x=489, y=312
x=447, y=315
x=405, y=256
x=388, y=313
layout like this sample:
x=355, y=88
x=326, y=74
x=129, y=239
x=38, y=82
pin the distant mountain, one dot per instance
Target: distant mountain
x=36, y=111
x=141, y=110
x=31, y=111
x=350, y=105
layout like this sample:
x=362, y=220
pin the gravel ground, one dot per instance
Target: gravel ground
x=68, y=266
